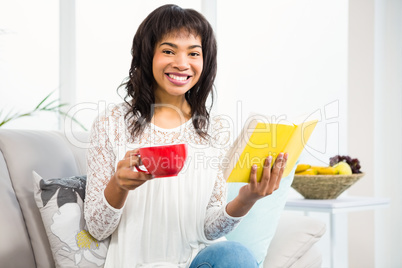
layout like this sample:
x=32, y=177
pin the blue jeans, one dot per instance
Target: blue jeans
x=225, y=254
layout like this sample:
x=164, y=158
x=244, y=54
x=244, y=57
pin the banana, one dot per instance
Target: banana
x=309, y=171
x=325, y=170
x=302, y=167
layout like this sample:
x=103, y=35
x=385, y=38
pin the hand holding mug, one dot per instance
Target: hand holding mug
x=125, y=177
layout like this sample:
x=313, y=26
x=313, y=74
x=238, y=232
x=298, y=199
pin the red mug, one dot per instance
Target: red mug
x=163, y=160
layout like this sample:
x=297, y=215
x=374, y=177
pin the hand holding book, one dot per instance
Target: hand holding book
x=253, y=191
x=252, y=155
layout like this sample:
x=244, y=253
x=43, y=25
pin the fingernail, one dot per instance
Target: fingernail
x=268, y=161
x=254, y=167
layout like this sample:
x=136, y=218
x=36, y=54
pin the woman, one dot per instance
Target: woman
x=179, y=221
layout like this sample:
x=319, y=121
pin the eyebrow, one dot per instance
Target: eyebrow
x=175, y=46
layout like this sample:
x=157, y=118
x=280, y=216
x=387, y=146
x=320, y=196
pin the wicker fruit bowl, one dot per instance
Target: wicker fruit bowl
x=323, y=186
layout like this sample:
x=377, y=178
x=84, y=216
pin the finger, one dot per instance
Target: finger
x=266, y=172
x=253, y=176
x=275, y=173
x=282, y=165
x=131, y=153
x=130, y=179
x=135, y=160
x=128, y=162
x=284, y=162
x=141, y=176
x=277, y=165
x=130, y=175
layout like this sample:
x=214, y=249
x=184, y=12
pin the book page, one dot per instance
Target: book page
x=266, y=139
x=297, y=143
x=259, y=139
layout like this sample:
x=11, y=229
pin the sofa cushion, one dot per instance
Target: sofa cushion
x=61, y=203
x=297, y=240
x=311, y=259
x=258, y=227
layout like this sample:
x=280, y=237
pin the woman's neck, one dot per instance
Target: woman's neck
x=171, y=112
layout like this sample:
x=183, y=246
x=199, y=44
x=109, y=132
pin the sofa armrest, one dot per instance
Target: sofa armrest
x=15, y=246
x=293, y=242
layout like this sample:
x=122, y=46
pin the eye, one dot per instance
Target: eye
x=194, y=54
x=168, y=52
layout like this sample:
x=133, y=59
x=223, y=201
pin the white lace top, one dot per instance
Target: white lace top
x=166, y=221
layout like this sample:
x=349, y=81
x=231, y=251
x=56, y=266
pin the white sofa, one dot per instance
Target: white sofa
x=23, y=240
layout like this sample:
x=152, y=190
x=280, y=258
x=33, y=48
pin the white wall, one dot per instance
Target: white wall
x=361, y=135
x=29, y=59
x=375, y=128
x=388, y=130
x=288, y=58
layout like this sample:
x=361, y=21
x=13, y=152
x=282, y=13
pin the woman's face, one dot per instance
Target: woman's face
x=177, y=63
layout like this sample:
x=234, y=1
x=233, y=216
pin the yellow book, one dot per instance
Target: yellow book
x=258, y=140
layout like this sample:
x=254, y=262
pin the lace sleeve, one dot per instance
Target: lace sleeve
x=101, y=218
x=217, y=222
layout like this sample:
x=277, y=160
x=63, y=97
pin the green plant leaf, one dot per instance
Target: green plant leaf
x=51, y=106
x=40, y=103
x=50, y=103
x=75, y=120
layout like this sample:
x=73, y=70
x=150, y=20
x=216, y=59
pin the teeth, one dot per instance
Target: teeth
x=178, y=78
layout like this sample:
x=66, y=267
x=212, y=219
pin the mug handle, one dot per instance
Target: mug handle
x=139, y=169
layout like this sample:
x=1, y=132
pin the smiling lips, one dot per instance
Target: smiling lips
x=178, y=79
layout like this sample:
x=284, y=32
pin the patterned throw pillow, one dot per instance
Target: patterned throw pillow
x=61, y=203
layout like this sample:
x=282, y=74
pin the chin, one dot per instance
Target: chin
x=177, y=92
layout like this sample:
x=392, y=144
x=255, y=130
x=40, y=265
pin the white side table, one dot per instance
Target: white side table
x=333, y=207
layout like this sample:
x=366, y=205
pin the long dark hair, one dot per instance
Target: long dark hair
x=140, y=85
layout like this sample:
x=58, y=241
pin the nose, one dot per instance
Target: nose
x=181, y=62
